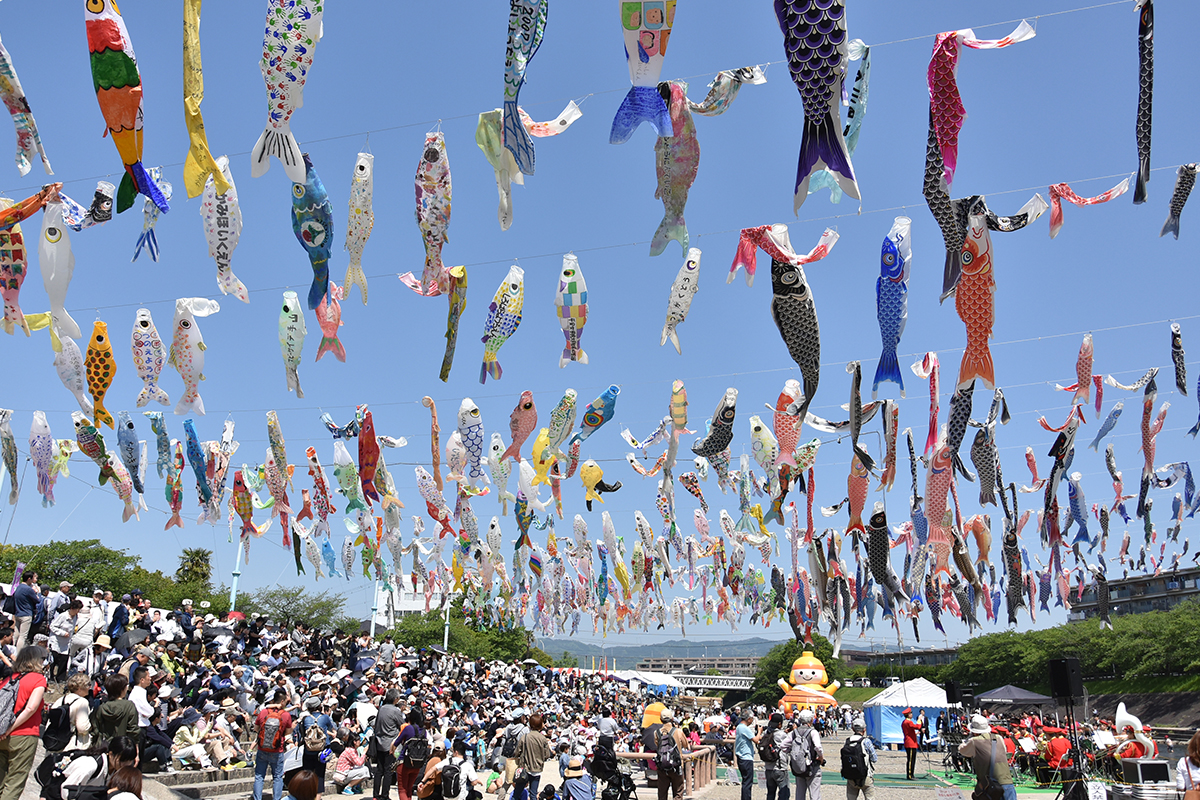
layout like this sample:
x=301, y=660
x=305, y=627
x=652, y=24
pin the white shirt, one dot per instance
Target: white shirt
x=137, y=696
x=1183, y=772
x=62, y=628
x=467, y=775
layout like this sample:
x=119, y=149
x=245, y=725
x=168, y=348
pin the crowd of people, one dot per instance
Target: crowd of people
x=113, y=690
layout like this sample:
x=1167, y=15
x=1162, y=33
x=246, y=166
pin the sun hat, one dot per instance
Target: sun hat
x=979, y=724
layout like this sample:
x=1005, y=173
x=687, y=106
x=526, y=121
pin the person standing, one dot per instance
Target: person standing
x=63, y=625
x=274, y=725
x=743, y=750
x=912, y=743
x=1187, y=773
x=25, y=602
x=807, y=758
x=989, y=757
x=17, y=750
x=534, y=753
x=671, y=778
x=410, y=761
x=864, y=755
x=776, y=745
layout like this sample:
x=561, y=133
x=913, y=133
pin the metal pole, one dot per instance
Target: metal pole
x=374, y=608
x=446, y=630
x=237, y=572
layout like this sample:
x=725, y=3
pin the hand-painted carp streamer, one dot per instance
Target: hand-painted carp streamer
x=814, y=40
x=646, y=27
x=119, y=90
x=29, y=141
x=489, y=136
x=289, y=43
x=433, y=193
x=199, y=165
x=1061, y=191
x=526, y=27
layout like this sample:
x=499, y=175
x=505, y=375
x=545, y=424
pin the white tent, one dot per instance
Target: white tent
x=883, y=711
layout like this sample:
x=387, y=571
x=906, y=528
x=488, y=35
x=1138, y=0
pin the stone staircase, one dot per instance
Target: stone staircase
x=210, y=785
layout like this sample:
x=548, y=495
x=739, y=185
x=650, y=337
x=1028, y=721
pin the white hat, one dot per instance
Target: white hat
x=187, y=601
x=979, y=724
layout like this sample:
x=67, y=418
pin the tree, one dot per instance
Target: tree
x=292, y=604
x=427, y=630
x=195, y=567
x=541, y=656
x=776, y=665
x=567, y=661
x=86, y=563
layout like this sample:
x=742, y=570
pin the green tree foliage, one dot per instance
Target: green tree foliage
x=541, y=656
x=566, y=661
x=1140, y=645
x=86, y=563
x=427, y=630
x=777, y=664
x=195, y=567
x=292, y=604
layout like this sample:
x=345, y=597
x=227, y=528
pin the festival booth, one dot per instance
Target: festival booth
x=883, y=712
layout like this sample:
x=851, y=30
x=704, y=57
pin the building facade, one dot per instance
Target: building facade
x=726, y=665
x=1140, y=593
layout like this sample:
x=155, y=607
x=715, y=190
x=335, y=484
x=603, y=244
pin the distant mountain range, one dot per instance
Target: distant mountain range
x=627, y=656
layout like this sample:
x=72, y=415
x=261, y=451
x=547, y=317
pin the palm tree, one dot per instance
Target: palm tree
x=195, y=566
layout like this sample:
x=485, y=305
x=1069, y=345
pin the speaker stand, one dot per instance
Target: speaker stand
x=1071, y=791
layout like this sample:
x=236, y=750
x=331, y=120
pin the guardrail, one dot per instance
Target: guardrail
x=699, y=767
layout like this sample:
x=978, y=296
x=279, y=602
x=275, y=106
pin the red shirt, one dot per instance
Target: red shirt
x=911, y=733
x=29, y=682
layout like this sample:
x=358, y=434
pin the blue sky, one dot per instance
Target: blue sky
x=1057, y=108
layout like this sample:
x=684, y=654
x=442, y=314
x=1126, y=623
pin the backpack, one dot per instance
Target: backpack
x=58, y=726
x=803, y=755
x=314, y=736
x=8, y=703
x=270, y=735
x=451, y=779
x=604, y=764
x=416, y=750
x=768, y=751
x=50, y=775
x=667, y=755
x=509, y=748
x=854, y=760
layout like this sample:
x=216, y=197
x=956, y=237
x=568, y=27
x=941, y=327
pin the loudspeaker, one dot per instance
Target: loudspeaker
x=967, y=698
x=952, y=692
x=1066, y=680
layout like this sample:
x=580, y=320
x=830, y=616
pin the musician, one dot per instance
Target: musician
x=1058, y=749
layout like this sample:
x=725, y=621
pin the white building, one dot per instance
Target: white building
x=402, y=601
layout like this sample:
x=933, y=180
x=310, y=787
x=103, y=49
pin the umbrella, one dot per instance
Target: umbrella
x=213, y=631
x=653, y=714
x=235, y=615
x=437, y=648
x=530, y=661
x=296, y=663
x=131, y=638
x=365, y=660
